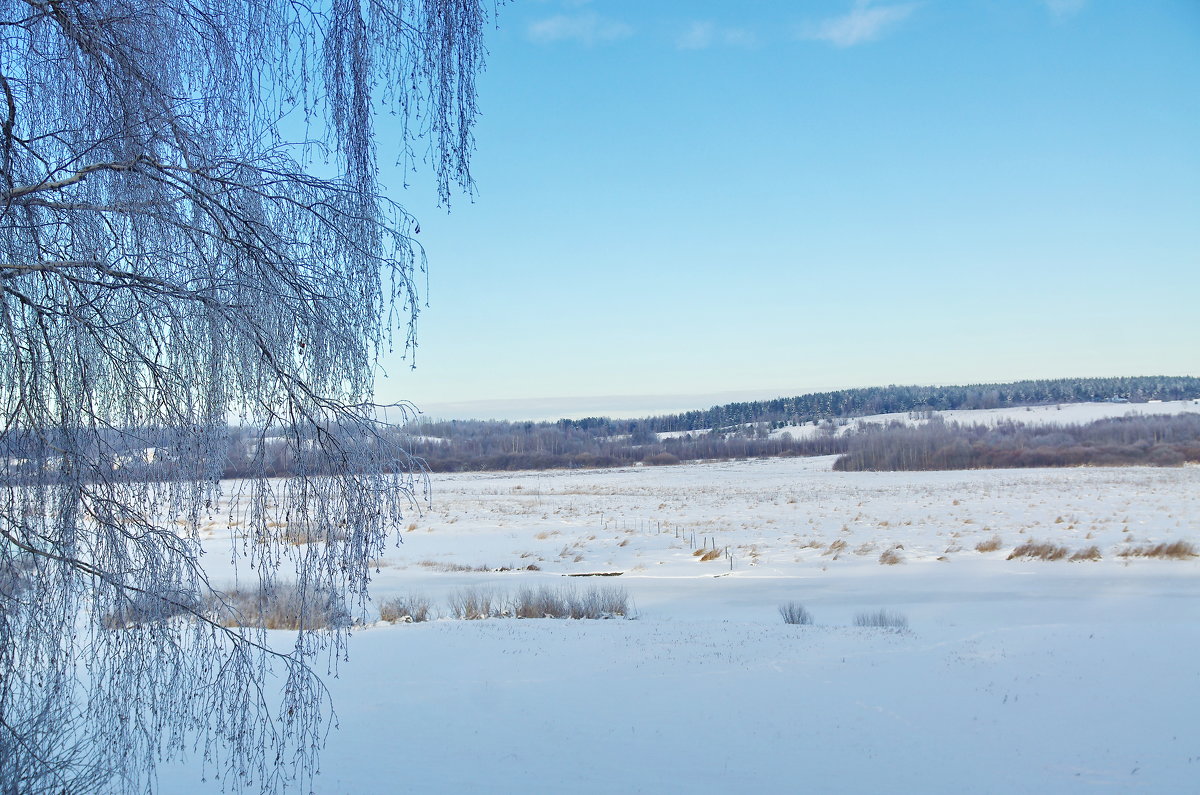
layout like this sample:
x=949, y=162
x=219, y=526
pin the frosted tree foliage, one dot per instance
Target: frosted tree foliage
x=171, y=263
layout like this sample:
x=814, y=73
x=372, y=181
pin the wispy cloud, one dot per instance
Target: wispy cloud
x=702, y=35
x=588, y=28
x=865, y=22
x=1065, y=8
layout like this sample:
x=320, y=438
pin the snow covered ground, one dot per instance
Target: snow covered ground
x=1062, y=414
x=1014, y=676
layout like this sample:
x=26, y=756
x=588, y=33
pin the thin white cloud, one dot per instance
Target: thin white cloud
x=702, y=35
x=1065, y=8
x=698, y=36
x=865, y=22
x=589, y=28
x=739, y=37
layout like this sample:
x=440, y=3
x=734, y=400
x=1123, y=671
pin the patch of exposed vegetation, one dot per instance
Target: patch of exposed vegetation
x=1176, y=550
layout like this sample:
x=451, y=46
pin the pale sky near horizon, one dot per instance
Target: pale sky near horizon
x=694, y=199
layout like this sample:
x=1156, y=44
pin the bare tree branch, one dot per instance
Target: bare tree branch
x=179, y=293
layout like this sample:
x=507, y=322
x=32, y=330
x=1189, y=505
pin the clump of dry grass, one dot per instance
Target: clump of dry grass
x=990, y=545
x=543, y=602
x=284, y=606
x=145, y=608
x=884, y=619
x=472, y=604
x=795, y=613
x=566, y=602
x=409, y=609
x=1176, y=550
x=835, y=547
x=1087, y=553
x=1033, y=550
x=439, y=565
x=891, y=557
x=300, y=534
x=707, y=554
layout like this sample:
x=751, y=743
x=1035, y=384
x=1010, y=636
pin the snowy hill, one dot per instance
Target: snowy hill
x=1062, y=414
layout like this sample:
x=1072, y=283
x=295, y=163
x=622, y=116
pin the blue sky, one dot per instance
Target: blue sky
x=699, y=200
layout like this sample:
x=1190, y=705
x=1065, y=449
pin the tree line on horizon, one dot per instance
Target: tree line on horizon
x=1160, y=440
x=741, y=430
x=817, y=406
x=598, y=442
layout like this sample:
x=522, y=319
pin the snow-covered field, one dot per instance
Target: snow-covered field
x=1015, y=675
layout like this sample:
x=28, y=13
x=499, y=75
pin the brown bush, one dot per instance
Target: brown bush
x=408, y=609
x=547, y=602
x=991, y=545
x=891, y=557
x=283, y=606
x=1044, y=551
x=1176, y=550
x=661, y=459
x=472, y=604
x=836, y=547
x=1087, y=553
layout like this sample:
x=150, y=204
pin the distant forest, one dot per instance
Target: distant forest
x=735, y=430
x=1153, y=440
x=890, y=399
x=741, y=430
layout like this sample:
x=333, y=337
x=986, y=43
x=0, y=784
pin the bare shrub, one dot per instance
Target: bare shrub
x=1087, y=553
x=891, y=557
x=541, y=602
x=885, y=619
x=600, y=603
x=990, y=545
x=305, y=534
x=661, y=459
x=795, y=613
x=1032, y=550
x=1176, y=550
x=708, y=555
x=408, y=609
x=284, y=606
x=140, y=609
x=472, y=604
x=567, y=602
